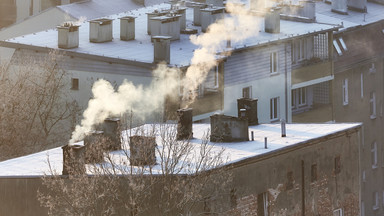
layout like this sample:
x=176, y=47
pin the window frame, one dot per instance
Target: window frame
x=274, y=109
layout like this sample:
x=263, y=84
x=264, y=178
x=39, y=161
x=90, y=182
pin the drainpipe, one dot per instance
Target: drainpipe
x=286, y=84
x=302, y=189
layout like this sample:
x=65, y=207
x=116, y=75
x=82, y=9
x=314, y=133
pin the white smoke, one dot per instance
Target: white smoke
x=238, y=26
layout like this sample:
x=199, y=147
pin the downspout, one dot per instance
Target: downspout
x=302, y=189
x=286, y=84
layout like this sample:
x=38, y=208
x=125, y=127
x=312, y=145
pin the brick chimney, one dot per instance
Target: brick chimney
x=250, y=106
x=73, y=159
x=142, y=150
x=100, y=30
x=228, y=129
x=184, y=124
x=272, y=21
x=127, y=28
x=162, y=49
x=94, y=149
x=68, y=36
x=111, y=128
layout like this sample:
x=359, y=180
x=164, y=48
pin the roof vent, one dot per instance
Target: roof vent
x=68, y=36
x=127, y=28
x=73, y=159
x=210, y=15
x=162, y=51
x=100, y=30
x=184, y=124
x=339, y=6
x=250, y=106
x=166, y=26
x=111, y=128
x=143, y=150
x=308, y=10
x=228, y=129
x=272, y=21
x=155, y=13
x=357, y=5
x=197, y=13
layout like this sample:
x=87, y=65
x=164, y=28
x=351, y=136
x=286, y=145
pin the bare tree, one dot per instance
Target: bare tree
x=187, y=178
x=35, y=106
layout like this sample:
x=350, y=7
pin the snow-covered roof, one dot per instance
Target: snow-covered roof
x=141, y=49
x=36, y=164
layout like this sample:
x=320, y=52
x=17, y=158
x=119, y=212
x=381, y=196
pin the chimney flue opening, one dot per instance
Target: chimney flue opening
x=73, y=159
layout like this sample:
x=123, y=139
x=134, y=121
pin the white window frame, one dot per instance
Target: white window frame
x=375, y=197
x=274, y=109
x=338, y=212
x=302, y=96
x=372, y=105
x=343, y=45
x=274, y=62
x=374, y=155
x=345, y=91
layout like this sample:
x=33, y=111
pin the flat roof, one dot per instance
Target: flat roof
x=36, y=164
x=141, y=49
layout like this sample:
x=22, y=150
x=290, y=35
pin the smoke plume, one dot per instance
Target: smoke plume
x=237, y=26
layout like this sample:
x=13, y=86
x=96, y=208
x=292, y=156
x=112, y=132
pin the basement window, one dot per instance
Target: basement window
x=75, y=84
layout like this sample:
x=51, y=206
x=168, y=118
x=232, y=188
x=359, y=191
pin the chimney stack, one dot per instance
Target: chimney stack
x=166, y=26
x=250, y=106
x=197, y=13
x=228, y=129
x=127, y=28
x=184, y=124
x=340, y=7
x=73, y=160
x=215, y=3
x=155, y=13
x=272, y=21
x=100, y=30
x=94, y=149
x=183, y=19
x=111, y=128
x=68, y=36
x=309, y=9
x=209, y=15
x=143, y=150
x=357, y=5
x=162, y=52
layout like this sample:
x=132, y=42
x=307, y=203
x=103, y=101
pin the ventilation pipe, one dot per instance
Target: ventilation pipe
x=68, y=36
x=127, y=28
x=162, y=52
x=73, y=159
x=184, y=124
x=272, y=21
x=142, y=150
x=228, y=129
x=100, y=30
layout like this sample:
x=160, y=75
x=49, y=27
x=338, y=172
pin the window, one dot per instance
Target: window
x=299, y=97
x=299, y=50
x=273, y=62
x=375, y=200
x=247, y=92
x=337, y=165
x=75, y=84
x=345, y=91
x=338, y=212
x=362, y=85
x=374, y=155
x=314, y=173
x=343, y=44
x=262, y=204
x=372, y=105
x=274, y=109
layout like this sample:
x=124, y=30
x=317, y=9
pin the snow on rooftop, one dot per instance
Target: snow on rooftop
x=36, y=164
x=141, y=49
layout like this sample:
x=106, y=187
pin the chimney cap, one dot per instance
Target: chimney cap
x=129, y=18
x=160, y=38
x=103, y=21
